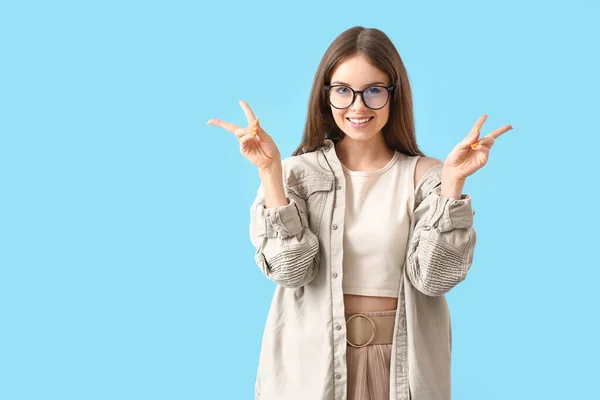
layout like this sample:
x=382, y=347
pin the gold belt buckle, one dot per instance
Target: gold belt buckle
x=372, y=336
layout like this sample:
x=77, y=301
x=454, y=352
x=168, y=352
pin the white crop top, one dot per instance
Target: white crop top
x=376, y=226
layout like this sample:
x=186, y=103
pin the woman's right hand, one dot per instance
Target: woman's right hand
x=259, y=149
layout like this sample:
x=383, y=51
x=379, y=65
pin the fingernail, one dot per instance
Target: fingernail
x=209, y=121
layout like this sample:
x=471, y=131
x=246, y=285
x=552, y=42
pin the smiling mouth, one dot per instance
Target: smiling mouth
x=359, y=120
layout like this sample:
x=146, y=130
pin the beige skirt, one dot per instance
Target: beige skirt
x=369, y=367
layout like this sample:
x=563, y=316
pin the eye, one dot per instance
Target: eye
x=373, y=90
x=342, y=90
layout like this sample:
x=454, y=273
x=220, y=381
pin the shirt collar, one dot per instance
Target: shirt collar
x=331, y=155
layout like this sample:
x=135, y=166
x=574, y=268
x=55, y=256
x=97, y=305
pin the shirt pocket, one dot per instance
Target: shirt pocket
x=313, y=188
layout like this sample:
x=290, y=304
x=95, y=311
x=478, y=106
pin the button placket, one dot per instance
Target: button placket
x=335, y=230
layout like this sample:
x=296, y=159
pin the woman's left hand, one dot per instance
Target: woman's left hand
x=465, y=159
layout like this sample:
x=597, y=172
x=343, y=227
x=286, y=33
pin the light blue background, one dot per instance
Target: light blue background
x=126, y=271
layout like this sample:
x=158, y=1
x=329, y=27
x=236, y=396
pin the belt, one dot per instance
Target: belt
x=363, y=330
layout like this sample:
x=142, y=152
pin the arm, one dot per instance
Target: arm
x=443, y=241
x=286, y=250
x=272, y=183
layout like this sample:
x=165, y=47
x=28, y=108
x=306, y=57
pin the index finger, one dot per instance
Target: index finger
x=495, y=134
x=249, y=114
x=222, y=124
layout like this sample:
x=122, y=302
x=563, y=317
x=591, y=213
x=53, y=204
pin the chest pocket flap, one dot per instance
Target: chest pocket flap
x=312, y=187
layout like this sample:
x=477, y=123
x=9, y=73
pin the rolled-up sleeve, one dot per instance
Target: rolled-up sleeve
x=281, y=222
x=443, y=241
x=287, y=251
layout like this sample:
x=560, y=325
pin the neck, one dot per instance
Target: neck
x=361, y=155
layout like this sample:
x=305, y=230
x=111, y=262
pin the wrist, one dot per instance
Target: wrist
x=451, y=176
x=272, y=182
x=274, y=168
x=452, y=185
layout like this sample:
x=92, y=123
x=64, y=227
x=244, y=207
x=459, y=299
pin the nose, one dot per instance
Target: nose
x=358, y=103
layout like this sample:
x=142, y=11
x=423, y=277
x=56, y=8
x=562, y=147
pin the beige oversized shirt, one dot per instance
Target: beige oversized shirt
x=300, y=247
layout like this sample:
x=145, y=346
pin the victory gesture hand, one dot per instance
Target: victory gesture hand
x=255, y=144
x=472, y=154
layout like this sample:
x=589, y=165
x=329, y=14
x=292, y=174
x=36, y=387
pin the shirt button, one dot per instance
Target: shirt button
x=338, y=187
x=401, y=369
x=334, y=275
x=334, y=227
x=338, y=327
x=338, y=376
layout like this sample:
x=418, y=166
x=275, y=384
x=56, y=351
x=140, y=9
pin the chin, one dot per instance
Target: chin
x=359, y=136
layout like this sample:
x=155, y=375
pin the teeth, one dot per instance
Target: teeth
x=358, y=121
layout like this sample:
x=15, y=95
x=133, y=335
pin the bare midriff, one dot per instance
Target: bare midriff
x=354, y=302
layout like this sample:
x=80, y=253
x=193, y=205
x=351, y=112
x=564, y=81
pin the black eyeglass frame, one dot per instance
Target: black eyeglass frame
x=362, y=95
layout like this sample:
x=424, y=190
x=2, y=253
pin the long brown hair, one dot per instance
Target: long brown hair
x=399, y=131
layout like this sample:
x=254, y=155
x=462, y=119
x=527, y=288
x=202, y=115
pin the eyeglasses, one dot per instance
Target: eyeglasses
x=374, y=97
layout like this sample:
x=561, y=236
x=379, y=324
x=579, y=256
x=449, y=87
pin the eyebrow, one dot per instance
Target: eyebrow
x=368, y=84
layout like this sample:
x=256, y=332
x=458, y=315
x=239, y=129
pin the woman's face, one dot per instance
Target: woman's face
x=357, y=73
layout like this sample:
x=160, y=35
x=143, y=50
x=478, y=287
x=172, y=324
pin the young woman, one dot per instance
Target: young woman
x=362, y=233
